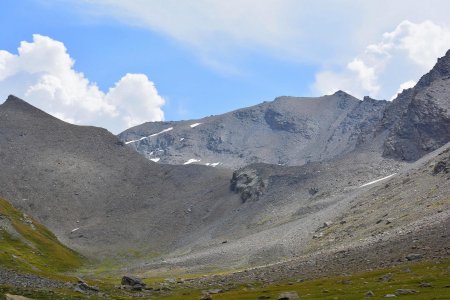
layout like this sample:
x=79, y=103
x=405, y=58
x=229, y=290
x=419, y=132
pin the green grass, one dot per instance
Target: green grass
x=349, y=287
x=33, y=249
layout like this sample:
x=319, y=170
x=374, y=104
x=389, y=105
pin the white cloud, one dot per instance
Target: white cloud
x=42, y=73
x=135, y=93
x=302, y=30
x=405, y=53
x=208, y=25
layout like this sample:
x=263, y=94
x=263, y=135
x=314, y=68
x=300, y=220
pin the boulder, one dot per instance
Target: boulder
x=425, y=284
x=132, y=281
x=405, y=292
x=288, y=296
x=248, y=183
x=370, y=294
x=414, y=256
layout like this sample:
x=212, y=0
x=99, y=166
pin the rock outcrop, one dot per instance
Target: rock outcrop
x=418, y=120
x=248, y=184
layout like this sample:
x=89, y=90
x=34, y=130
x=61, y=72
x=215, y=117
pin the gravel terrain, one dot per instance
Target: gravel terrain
x=10, y=277
x=338, y=216
x=97, y=195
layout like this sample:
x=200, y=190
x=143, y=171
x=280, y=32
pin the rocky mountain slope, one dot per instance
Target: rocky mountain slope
x=418, y=120
x=97, y=195
x=287, y=131
x=293, y=131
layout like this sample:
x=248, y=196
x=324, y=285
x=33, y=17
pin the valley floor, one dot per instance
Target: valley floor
x=417, y=262
x=410, y=280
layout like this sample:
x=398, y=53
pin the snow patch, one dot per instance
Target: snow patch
x=155, y=159
x=165, y=130
x=192, y=160
x=194, y=125
x=134, y=141
x=182, y=139
x=152, y=135
x=378, y=180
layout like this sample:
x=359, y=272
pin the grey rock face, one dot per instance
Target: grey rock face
x=248, y=184
x=287, y=131
x=293, y=131
x=443, y=165
x=418, y=120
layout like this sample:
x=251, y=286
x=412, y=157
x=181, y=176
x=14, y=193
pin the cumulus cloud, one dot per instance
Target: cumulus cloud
x=405, y=53
x=42, y=72
x=135, y=93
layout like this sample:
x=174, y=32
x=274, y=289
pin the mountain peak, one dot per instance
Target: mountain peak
x=15, y=103
x=13, y=99
x=341, y=93
x=441, y=69
x=14, y=106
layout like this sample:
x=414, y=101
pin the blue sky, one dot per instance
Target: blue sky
x=137, y=61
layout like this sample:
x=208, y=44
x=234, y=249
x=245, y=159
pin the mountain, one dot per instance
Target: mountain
x=287, y=131
x=98, y=196
x=293, y=131
x=418, y=120
x=331, y=182
x=103, y=199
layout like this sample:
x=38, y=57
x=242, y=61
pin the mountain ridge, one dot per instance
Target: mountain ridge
x=287, y=131
x=314, y=132
x=418, y=120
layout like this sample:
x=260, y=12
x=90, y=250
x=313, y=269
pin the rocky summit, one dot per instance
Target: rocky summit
x=253, y=204
x=418, y=120
x=294, y=130
x=287, y=131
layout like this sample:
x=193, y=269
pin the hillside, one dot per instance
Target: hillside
x=97, y=195
x=382, y=204
x=27, y=246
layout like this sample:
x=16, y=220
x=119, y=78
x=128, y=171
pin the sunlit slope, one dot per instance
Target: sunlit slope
x=26, y=245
